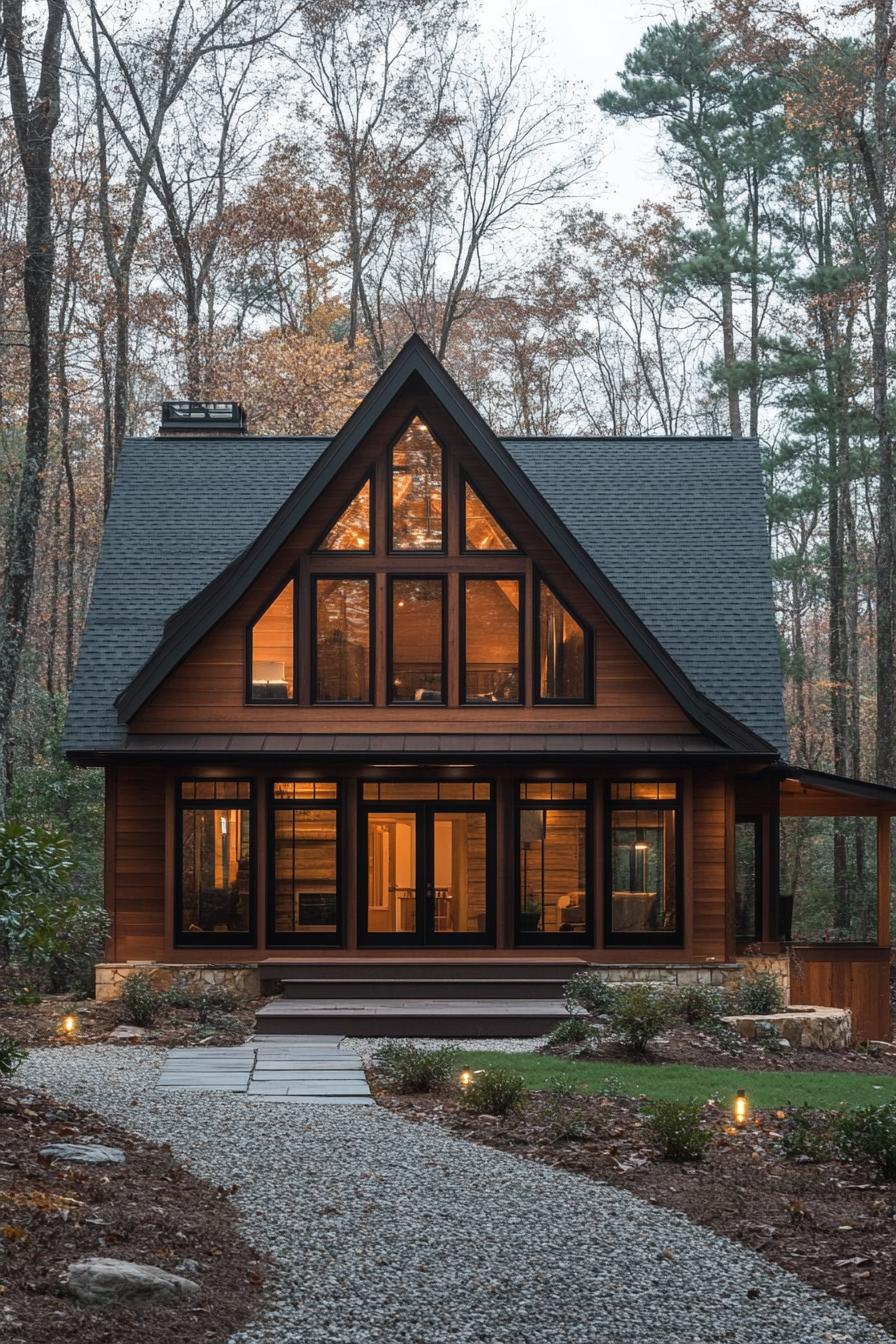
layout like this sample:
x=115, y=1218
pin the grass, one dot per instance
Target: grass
x=690, y=1082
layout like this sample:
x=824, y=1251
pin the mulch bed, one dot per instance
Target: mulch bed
x=149, y=1211
x=37, y=1025
x=833, y=1225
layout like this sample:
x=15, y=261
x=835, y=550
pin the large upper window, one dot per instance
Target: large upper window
x=562, y=650
x=352, y=530
x=492, y=640
x=214, y=888
x=416, y=471
x=272, y=648
x=342, y=649
x=416, y=634
x=643, y=863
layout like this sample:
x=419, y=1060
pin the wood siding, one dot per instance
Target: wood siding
x=207, y=691
x=135, y=862
x=710, y=867
x=846, y=977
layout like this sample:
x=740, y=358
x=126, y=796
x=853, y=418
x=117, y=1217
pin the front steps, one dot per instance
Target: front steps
x=426, y=997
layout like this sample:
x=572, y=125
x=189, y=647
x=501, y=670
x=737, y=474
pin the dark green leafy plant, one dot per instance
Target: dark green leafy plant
x=589, y=990
x=35, y=891
x=565, y=1112
x=572, y=1031
x=11, y=1055
x=808, y=1135
x=675, y=1128
x=869, y=1132
x=402, y=1067
x=142, y=1001
x=495, y=1091
x=697, y=1005
x=638, y=1014
x=759, y=992
x=770, y=1038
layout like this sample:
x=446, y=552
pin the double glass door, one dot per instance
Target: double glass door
x=427, y=873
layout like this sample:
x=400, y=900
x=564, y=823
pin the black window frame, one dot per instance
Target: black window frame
x=589, y=697
x=292, y=575
x=397, y=576
x=656, y=938
x=757, y=822
x=463, y=481
x=520, y=702
x=338, y=806
x=532, y=938
x=181, y=804
x=389, y=548
x=328, y=577
x=318, y=547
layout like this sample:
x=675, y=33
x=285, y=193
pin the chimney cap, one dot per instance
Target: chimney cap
x=202, y=417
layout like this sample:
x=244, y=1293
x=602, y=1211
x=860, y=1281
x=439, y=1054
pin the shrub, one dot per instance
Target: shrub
x=590, y=991
x=402, y=1067
x=572, y=1031
x=697, y=1005
x=770, y=1038
x=565, y=1112
x=675, y=1128
x=142, y=1000
x=869, y=1132
x=638, y=1014
x=759, y=992
x=11, y=1055
x=495, y=1091
x=210, y=1002
x=808, y=1135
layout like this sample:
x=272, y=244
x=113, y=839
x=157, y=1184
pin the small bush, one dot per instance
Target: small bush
x=759, y=992
x=26, y=997
x=572, y=1031
x=770, y=1038
x=495, y=1091
x=142, y=1000
x=869, y=1132
x=590, y=991
x=697, y=1005
x=565, y=1112
x=403, y=1067
x=11, y=1055
x=638, y=1014
x=808, y=1136
x=675, y=1128
x=181, y=994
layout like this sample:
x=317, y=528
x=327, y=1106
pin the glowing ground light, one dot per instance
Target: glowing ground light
x=466, y=1077
x=68, y=1025
x=741, y=1108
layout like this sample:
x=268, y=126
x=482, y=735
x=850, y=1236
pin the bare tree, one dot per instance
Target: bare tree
x=35, y=117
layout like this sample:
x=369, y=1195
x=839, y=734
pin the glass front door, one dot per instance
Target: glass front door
x=427, y=874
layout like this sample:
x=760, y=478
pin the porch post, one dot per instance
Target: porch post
x=883, y=879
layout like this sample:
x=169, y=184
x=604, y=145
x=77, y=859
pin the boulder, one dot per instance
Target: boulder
x=82, y=1152
x=126, y=1032
x=101, y=1282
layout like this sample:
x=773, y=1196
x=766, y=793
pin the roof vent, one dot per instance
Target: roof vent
x=202, y=418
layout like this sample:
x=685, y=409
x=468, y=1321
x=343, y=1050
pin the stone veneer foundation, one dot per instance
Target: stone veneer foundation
x=807, y=1028
x=239, y=977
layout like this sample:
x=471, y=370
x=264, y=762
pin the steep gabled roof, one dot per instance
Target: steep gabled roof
x=621, y=513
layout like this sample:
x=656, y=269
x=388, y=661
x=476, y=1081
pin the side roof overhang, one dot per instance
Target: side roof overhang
x=188, y=625
x=880, y=797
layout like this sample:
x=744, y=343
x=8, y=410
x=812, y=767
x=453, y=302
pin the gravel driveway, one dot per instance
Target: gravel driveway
x=394, y=1233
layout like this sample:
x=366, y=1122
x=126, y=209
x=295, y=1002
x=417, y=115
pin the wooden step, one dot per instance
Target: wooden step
x=439, y=1018
x=534, y=986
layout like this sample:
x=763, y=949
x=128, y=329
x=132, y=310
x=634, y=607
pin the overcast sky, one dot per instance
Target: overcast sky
x=587, y=41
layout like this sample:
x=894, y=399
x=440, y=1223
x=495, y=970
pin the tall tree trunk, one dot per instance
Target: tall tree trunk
x=729, y=356
x=35, y=121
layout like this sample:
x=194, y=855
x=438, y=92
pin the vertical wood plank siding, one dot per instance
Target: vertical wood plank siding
x=710, y=869
x=136, y=864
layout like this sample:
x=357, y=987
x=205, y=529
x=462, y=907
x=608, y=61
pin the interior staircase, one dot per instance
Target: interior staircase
x=427, y=997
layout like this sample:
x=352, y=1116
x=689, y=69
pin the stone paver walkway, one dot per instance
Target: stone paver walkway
x=310, y=1070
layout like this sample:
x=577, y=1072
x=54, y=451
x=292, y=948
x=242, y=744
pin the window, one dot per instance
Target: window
x=482, y=531
x=553, y=790
x=416, y=471
x=427, y=790
x=352, y=529
x=492, y=641
x=643, y=865
x=214, y=898
x=272, y=648
x=304, y=866
x=748, y=878
x=416, y=673
x=553, y=887
x=562, y=650
x=828, y=882
x=342, y=641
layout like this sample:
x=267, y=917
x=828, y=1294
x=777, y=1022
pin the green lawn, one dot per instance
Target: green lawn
x=685, y=1082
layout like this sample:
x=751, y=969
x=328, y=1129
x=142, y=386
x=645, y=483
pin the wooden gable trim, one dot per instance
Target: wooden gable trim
x=416, y=362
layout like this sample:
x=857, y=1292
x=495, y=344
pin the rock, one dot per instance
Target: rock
x=82, y=1152
x=101, y=1282
x=126, y=1032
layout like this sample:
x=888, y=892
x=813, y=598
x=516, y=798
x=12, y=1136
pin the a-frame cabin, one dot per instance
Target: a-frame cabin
x=419, y=704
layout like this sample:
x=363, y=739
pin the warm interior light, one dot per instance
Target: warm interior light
x=466, y=1077
x=69, y=1024
x=741, y=1107
x=641, y=846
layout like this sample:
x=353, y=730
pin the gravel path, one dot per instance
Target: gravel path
x=394, y=1233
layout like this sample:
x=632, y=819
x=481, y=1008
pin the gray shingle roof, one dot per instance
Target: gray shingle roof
x=676, y=525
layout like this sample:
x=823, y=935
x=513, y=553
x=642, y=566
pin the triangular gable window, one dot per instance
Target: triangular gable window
x=416, y=490
x=272, y=648
x=351, y=530
x=482, y=531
